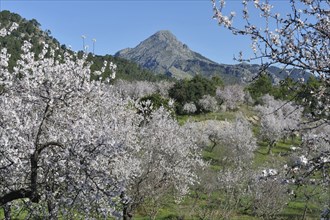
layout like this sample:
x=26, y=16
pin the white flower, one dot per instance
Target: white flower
x=302, y=160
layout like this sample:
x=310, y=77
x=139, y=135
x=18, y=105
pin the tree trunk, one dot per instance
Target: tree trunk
x=269, y=149
x=214, y=144
x=16, y=194
x=6, y=209
x=52, y=212
x=34, y=177
x=126, y=214
x=270, y=146
x=126, y=210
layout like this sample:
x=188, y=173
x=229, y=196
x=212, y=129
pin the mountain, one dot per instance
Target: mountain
x=164, y=53
x=161, y=53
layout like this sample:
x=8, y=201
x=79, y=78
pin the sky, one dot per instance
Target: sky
x=119, y=24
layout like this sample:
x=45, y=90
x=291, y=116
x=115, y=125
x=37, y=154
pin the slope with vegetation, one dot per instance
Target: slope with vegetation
x=29, y=30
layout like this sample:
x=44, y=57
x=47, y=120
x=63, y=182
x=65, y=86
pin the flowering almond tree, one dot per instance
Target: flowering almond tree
x=235, y=139
x=297, y=39
x=208, y=103
x=278, y=119
x=232, y=96
x=239, y=141
x=61, y=137
x=168, y=161
x=189, y=108
x=71, y=147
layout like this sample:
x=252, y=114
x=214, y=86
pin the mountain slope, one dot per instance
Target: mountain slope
x=30, y=30
x=164, y=53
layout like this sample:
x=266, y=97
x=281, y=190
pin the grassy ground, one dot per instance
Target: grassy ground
x=244, y=110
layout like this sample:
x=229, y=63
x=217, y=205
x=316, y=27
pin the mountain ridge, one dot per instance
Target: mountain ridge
x=163, y=53
x=158, y=57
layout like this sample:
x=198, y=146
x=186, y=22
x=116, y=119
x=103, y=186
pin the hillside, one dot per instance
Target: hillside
x=30, y=30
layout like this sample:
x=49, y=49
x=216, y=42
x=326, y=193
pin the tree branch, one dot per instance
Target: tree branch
x=18, y=194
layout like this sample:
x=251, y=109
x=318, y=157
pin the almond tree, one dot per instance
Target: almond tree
x=135, y=90
x=236, y=142
x=269, y=197
x=236, y=139
x=139, y=89
x=63, y=138
x=71, y=147
x=232, y=96
x=278, y=119
x=168, y=161
x=239, y=142
x=208, y=103
x=297, y=39
x=189, y=108
x=310, y=165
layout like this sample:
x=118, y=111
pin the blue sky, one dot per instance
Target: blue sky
x=119, y=24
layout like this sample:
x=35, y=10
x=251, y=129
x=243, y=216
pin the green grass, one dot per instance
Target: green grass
x=295, y=210
x=279, y=152
x=221, y=116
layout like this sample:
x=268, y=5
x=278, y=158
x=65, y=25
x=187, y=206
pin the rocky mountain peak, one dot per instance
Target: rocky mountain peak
x=164, y=53
x=164, y=35
x=163, y=40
